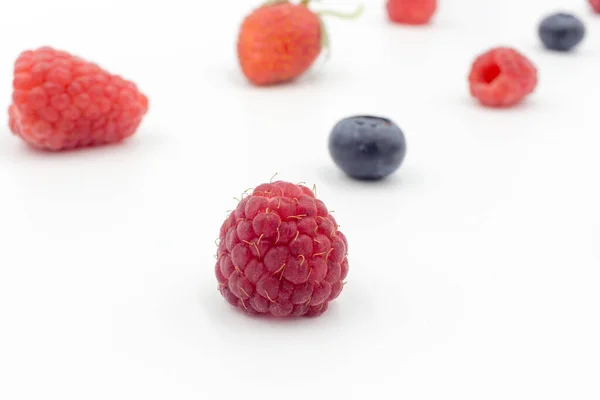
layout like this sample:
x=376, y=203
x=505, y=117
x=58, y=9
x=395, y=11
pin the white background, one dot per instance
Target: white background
x=474, y=271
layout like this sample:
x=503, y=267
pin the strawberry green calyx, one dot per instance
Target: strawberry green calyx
x=325, y=42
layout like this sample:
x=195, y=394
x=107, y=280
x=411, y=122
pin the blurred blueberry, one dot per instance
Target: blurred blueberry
x=367, y=147
x=561, y=32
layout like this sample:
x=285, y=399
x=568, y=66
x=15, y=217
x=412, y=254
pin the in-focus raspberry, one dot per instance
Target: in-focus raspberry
x=502, y=77
x=62, y=102
x=280, y=253
x=411, y=12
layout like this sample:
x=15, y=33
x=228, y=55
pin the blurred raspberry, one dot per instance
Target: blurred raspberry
x=502, y=77
x=62, y=102
x=411, y=12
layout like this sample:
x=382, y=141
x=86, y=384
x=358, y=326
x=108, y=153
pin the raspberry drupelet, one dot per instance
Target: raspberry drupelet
x=281, y=253
x=62, y=102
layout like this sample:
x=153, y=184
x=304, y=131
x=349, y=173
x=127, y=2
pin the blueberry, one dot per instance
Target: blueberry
x=561, y=32
x=367, y=147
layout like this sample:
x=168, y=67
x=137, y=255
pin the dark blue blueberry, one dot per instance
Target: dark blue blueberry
x=366, y=147
x=561, y=32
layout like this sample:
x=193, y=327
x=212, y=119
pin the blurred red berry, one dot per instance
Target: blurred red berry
x=502, y=77
x=411, y=12
x=62, y=102
x=278, y=42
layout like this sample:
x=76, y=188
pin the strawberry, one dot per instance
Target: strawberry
x=279, y=41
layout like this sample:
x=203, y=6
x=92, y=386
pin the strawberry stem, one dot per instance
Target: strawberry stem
x=355, y=14
x=325, y=44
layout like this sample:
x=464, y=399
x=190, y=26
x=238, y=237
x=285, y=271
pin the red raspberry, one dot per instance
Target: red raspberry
x=595, y=5
x=62, y=102
x=502, y=77
x=411, y=12
x=281, y=253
